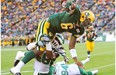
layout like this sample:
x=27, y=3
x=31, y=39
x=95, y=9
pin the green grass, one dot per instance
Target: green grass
x=103, y=58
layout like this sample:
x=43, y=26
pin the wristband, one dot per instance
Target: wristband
x=49, y=47
x=73, y=53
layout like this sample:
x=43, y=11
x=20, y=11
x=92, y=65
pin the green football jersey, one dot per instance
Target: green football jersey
x=91, y=37
x=64, y=22
x=43, y=58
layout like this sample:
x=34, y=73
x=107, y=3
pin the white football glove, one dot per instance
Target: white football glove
x=40, y=43
x=66, y=59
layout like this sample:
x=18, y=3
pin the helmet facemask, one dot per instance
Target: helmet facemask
x=86, y=22
x=57, y=41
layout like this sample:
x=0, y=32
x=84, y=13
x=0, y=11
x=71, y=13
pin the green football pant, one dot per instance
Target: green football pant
x=28, y=56
x=83, y=72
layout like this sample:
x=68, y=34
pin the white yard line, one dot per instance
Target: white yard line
x=5, y=73
x=19, y=49
x=101, y=67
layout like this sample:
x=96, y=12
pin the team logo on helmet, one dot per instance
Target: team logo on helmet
x=87, y=15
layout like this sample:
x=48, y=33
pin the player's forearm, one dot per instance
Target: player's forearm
x=75, y=59
x=49, y=54
x=72, y=42
x=74, y=55
x=49, y=50
x=72, y=48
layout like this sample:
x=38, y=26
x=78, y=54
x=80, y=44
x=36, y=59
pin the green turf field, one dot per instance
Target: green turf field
x=103, y=58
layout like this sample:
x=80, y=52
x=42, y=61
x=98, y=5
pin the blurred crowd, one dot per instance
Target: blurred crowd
x=105, y=14
x=20, y=18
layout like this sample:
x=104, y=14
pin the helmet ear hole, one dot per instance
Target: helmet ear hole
x=82, y=16
x=89, y=19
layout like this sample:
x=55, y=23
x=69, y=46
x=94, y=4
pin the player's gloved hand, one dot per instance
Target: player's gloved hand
x=60, y=50
x=40, y=43
x=66, y=59
x=94, y=38
x=44, y=39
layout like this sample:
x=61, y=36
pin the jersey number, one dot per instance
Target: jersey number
x=66, y=25
x=64, y=73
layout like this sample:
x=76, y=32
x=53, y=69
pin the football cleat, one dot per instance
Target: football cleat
x=18, y=74
x=94, y=72
x=88, y=59
x=14, y=70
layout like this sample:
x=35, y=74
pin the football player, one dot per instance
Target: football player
x=57, y=49
x=61, y=68
x=42, y=64
x=71, y=20
x=90, y=35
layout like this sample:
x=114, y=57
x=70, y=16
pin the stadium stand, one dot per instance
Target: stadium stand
x=20, y=17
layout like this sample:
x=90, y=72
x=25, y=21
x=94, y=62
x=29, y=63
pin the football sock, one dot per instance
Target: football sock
x=88, y=56
x=94, y=72
x=28, y=56
x=88, y=52
x=19, y=66
x=85, y=61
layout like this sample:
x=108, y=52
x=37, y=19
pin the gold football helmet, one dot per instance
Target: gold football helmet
x=87, y=15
